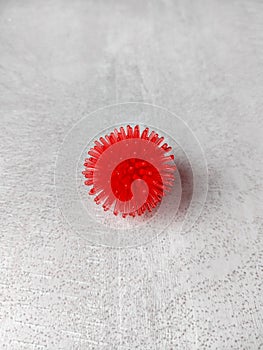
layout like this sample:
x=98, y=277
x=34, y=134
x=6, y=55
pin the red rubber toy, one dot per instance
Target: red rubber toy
x=130, y=170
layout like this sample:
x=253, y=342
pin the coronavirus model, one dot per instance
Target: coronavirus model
x=129, y=171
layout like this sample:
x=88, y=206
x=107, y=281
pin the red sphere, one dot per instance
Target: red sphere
x=130, y=170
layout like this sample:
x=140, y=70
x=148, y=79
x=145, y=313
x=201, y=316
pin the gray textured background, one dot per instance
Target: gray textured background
x=59, y=60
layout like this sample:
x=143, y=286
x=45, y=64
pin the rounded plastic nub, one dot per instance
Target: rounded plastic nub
x=129, y=170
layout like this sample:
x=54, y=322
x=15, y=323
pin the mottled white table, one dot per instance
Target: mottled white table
x=60, y=60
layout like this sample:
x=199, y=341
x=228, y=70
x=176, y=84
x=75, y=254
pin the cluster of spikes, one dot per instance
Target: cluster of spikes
x=159, y=181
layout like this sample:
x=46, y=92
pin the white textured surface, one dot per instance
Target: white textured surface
x=59, y=61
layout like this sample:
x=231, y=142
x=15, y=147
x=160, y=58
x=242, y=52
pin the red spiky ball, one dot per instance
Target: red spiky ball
x=130, y=170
